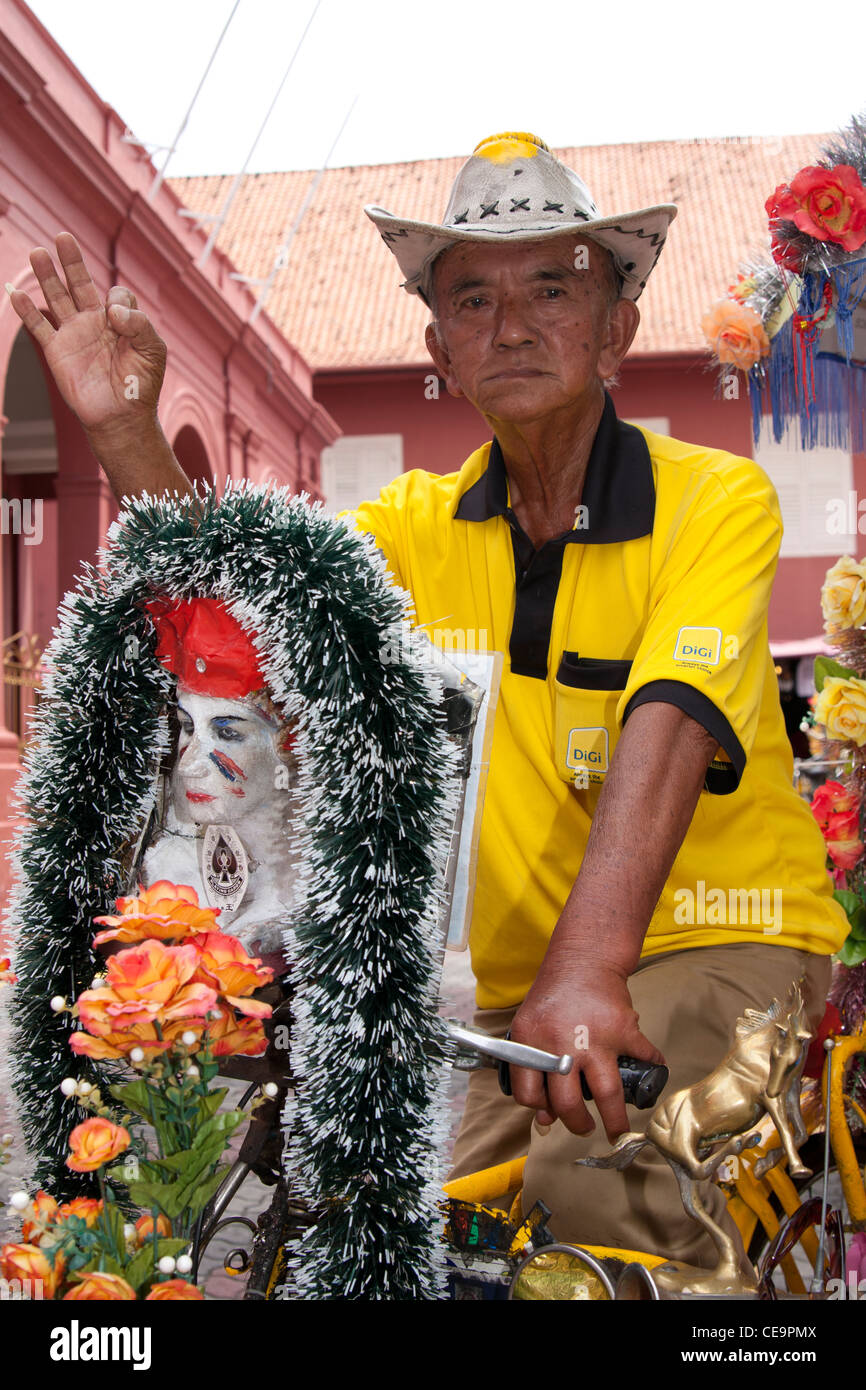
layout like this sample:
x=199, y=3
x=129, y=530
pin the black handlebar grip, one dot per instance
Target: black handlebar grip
x=642, y=1082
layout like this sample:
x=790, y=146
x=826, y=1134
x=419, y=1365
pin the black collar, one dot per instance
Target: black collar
x=618, y=492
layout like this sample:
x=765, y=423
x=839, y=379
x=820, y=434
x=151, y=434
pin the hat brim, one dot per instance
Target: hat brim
x=634, y=239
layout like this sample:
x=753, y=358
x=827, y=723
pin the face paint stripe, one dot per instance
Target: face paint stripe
x=227, y=766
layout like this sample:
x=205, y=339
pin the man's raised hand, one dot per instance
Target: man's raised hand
x=106, y=358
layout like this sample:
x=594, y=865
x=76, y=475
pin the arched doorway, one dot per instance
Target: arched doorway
x=191, y=454
x=28, y=519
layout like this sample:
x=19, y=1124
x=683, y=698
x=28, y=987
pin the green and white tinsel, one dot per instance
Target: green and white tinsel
x=375, y=806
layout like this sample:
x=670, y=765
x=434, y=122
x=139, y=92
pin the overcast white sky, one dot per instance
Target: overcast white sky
x=433, y=78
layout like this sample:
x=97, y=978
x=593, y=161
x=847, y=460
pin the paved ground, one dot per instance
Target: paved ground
x=458, y=990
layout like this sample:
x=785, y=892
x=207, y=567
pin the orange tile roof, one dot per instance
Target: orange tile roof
x=338, y=299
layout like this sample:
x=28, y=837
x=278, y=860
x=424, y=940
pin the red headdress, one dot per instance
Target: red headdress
x=205, y=647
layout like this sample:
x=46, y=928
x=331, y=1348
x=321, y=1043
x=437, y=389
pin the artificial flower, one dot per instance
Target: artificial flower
x=743, y=289
x=174, y=1289
x=225, y=966
x=735, y=334
x=842, y=838
x=29, y=1263
x=831, y=799
x=88, y=1209
x=827, y=204
x=144, y=1227
x=164, y=911
x=7, y=974
x=95, y=1142
x=841, y=707
x=40, y=1215
x=843, y=595
x=100, y=1287
x=231, y=1036
x=146, y=983
x=142, y=1035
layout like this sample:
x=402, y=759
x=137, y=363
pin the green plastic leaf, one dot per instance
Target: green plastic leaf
x=825, y=666
x=141, y=1268
x=855, y=910
x=853, y=951
x=138, y=1097
x=209, y=1104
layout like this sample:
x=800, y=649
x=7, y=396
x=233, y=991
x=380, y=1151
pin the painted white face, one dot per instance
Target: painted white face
x=227, y=762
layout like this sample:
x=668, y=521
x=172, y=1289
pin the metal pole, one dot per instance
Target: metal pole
x=157, y=182
x=239, y=176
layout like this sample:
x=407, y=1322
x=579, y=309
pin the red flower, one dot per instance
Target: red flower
x=831, y=799
x=837, y=812
x=827, y=204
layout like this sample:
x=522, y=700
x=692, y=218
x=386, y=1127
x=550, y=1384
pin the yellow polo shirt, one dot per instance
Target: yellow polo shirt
x=659, y=593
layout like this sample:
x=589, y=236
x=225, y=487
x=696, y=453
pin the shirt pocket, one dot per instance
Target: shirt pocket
x=587, y=692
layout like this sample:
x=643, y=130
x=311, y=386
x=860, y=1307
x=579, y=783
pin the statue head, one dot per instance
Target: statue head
x=235, y=751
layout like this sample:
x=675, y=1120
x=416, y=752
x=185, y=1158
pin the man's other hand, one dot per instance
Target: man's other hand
x=106, y=358
x=584, y=1009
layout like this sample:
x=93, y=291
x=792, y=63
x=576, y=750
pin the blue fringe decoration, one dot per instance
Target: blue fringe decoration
x=836, y=417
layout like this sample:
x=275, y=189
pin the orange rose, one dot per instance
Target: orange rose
x=95, y=1142
x=103, y=1288
x=231, y=1036
x=174, y=1288
x=144, y=1227
x=224, y=964
x=7, y=974
x=147, y=983
x=142, y=1035
x=162, y=911
x=87, y=1208
x=29, y=1263
x=735, y=334
x=41, y=1214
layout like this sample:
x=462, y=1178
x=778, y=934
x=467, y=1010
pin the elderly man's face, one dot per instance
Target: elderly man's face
x=527, y=329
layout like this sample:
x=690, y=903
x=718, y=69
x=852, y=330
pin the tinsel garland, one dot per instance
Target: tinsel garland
x=373, y=816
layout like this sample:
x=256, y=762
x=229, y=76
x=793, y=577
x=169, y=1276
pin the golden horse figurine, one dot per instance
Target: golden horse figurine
x=698, y=1128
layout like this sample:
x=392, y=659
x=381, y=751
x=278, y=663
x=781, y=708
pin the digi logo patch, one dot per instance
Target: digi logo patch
x=587, y=750
x=699, y=644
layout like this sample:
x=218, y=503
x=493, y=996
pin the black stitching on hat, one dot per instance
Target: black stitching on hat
x=462, y=217
x=516, y=172
x=552, y=207
x=519, y=203
x=584, y=215
x=490, y=209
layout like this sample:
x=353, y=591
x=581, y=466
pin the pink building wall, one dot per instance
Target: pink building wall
x=237, y=399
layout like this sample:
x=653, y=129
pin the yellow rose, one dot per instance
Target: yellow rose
x=841, y=708
x=843, y=596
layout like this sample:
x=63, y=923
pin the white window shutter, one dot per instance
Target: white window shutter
x=358, y=466
x=812, y=485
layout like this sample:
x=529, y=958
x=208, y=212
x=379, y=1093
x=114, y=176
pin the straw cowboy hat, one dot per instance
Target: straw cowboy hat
x=513, y=189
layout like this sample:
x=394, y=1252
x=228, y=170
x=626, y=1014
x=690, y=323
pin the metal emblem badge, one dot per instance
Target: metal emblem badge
x=225, y=871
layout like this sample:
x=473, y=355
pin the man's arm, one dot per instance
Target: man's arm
x=108, y=363
x=643, y=813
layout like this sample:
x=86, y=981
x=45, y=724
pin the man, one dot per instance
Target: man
x=642, y=850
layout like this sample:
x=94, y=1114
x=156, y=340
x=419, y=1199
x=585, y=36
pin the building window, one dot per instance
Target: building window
x=814, y=488
x=358, y=466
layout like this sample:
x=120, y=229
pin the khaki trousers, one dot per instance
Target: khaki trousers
x=688, y=1003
